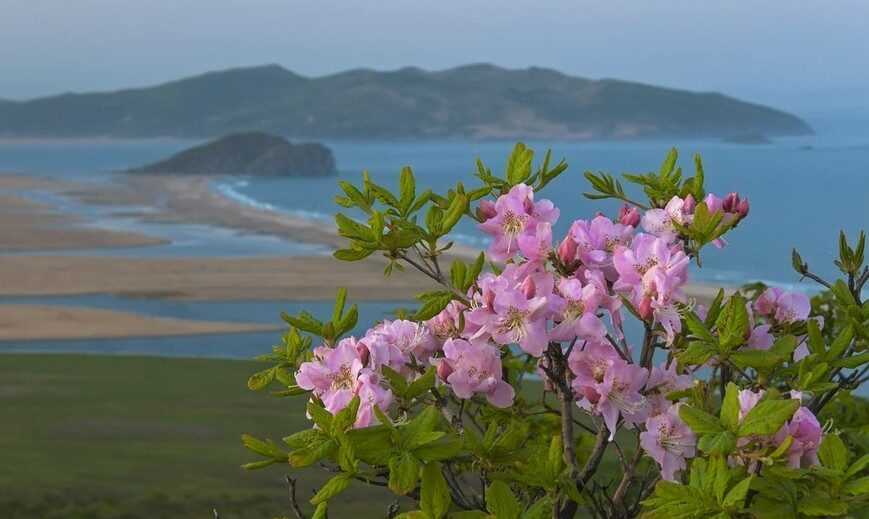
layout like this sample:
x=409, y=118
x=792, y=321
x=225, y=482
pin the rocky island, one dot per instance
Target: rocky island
x=251, y=153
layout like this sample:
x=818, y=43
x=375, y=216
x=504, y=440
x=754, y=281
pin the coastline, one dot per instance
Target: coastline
x=39, y=240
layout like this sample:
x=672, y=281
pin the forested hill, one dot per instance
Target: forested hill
x=475, y=101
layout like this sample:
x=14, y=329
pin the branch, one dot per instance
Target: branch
x=591, y=465
x=291, y=488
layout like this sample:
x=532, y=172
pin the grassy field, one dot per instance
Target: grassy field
x=90, y=437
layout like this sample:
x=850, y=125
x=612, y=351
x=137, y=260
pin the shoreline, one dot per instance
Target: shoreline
x=37, y=233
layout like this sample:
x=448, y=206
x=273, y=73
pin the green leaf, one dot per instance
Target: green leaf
x=313, y=453
x=820, y=505
x=857, y=487
x=833, y=453
x=457, y=275
x=332, y=488
x=256, y=465
x=454, y=213
x=263, y=448
x=730, y=407
x=852, y=362
x=340, y=300
x=396, y=380
x=843, y=340
x=733, y=323
x=321, y=512
x=501, y=502
x=815, y=340
x=261, y=379
x=304, y=438
x=421, y=384
x=304, y=321
x=403, y=473
x=858, y=466
x=352, y=229
x=439, y=450
x=699, y=421
x=407, y=188
x=767, y=417
x=434, y=495
x=542, y=509
x=352, y=254
x=721, y=443
x=696, y=354
x=320, y=415
x=433, y=304
x=736, y=496
x=519, y=164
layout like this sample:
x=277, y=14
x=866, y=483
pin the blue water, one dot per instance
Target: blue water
x=799, y=197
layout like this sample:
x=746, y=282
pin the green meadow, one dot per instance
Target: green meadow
x=96, y=437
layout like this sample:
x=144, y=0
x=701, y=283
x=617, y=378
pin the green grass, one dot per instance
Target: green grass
x=133, y=437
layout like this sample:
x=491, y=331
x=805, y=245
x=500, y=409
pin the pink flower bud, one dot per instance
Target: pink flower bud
x=730, y=202
x=629, y=216
x=364, y=353
x=444, y=370
x=528, y=287
x=689, y=204
x=742, y=208
x=486, y=210
x=567, y=250
x=645, y=309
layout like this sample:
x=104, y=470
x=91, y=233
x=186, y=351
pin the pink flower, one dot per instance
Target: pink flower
x=783, y=306
x=519, y=320
x=760, y=338
x=515, y=215
x=512, y=309
x=660, y=222
x=576, y=308
x=399, y=343
x=664, y=380
x=476, y=368
x=596, y=240
x=608, y=386
x=537, y=246
x=447, y=324
x=652, y=273
x=338, y=374
x=669, y=442
x=806, y=432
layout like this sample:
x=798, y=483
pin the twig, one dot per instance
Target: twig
x=294, y=503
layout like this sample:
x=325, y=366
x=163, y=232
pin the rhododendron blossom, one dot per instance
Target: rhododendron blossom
x=669, y=442
x=338, y=374
x=516, y=215
x=471, y=369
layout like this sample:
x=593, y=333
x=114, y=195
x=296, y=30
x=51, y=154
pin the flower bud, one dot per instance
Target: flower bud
x=645, y=309
x=529, y=288
x=364, y=353
x=444, y=370
x=730, y=202
x=629, y=216
x=486, y=210
x=689, y=204
x=742, y=208
x=567, y=250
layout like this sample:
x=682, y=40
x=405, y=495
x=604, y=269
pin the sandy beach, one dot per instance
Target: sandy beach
x=38, y=233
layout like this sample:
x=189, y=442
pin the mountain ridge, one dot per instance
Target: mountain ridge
x=478, y=100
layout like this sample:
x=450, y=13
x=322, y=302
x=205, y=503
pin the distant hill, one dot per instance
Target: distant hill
x=252, y=153
x=476, y=101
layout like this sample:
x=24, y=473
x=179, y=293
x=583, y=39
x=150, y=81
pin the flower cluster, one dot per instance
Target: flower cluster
x=571, y=297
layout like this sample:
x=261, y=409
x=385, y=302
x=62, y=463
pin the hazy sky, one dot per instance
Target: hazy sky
x=800, y=55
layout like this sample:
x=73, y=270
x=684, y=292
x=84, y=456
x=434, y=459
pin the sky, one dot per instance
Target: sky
x=806, y=56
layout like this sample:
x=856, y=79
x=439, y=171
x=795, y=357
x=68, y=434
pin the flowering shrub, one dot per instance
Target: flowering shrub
x=515, y=389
